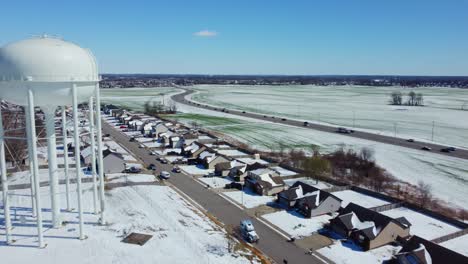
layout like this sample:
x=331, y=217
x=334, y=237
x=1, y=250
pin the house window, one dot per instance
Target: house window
x=361, y=238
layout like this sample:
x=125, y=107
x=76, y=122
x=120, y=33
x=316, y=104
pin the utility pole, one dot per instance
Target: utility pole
x=354, y=118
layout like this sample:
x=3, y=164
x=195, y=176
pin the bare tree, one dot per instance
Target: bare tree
x=316, y=166
x=425, y=193
x=412, y=98
x=367, y=154
x=396, y=98
x=419, y=99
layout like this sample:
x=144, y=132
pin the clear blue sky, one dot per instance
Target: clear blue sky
x=407, y=37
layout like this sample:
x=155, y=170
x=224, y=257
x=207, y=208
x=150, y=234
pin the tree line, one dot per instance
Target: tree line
x=413, y=99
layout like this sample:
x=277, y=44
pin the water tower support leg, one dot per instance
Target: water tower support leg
x=31, y=164
x=65, y=156
x=33, y=138
x=52, y=160
x=100, y=157
x=93, y=154
x=76, y=134
x=6, y=201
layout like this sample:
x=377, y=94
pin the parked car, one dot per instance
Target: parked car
x=106, y=135
x=243, y=112
x=123, y=126
x=233, y=185
x=165, y=175
x=410, y=140
x=134, y=170
x=426, y=148
x=124, y=130
x=132, y=139
x=248, y=231
x=152, y=167
x=152, y=153
x=306, y=123
x=176, y=170
x=163, y=161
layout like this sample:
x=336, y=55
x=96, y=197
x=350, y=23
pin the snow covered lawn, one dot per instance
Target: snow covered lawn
x=459, y=244
x=249, y=199
x=319, y=185
x=295, y=224
x=422, y=225
x=284, y=172
x=216, y=182
x=181, y=233
x=348, y=253
x=196, y=170
x=123, y=177
x=153, y=144
x=350, y=196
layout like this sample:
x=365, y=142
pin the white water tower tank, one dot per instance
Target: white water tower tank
x=49, y=66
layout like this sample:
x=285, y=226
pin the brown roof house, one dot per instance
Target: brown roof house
x=209, y=159
x=232, y=168
x=264, y=182
x=417, y=250
x=368, y=228
x=309, y=200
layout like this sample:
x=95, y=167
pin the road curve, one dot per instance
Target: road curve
x=459, y=153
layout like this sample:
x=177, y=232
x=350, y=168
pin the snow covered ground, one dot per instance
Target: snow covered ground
x=196, y=170
x=248, y=198
x=283, y=172
x=422, y=225
x=232, y=153
x=348, y=196
x=459, y=244
x=181, y=233
x=447, y=176
x=317, y=184
x=296, y=225
x=135, y=98
x=216, y=182
x=347, y=252
x=124, y=177
x=354, y=106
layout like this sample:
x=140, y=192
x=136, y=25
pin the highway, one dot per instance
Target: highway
x=271, y=243
x=435, y=148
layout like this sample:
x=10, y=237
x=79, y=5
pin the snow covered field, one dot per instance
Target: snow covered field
x=249, y=199
x=363, y=200
x=181, y=233
x=353, y=106
x=296, y=225
x=422, y=225
x=135, y=98
x=459, y=244
x=447, y=176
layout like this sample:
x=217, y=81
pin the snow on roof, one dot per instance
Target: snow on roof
x=357, y=224
x=175, y=138
x=267, y=178
x=86, y=152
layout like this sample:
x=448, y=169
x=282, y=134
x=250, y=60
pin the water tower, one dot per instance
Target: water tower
x=49, y=73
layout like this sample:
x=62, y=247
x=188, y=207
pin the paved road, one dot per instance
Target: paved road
x=460, y=153
x=271, y=243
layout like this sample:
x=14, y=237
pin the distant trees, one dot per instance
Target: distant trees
x=414, y=99
x=316, y=166
x=156, y=108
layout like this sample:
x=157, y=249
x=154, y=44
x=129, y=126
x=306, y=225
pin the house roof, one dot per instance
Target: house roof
x=355, y=217
x=424, y=251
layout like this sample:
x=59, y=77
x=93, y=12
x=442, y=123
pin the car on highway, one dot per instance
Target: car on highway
x=176, y=170
x=163, y=161
x=165, y=175
x=306, y=123
x=344, y=130
x=448, y=149
x=410, y=140
x=243, y=112
x=283, y=119
x=152, y=167
x=426, y=148
x=152, y=153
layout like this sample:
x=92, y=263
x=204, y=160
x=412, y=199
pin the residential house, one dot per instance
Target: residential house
x=210, y=159
x=264, y=182
x=368, y=228
x=86, y=155
x=230, y=168
x=113, y=162
x=309, y=200
x=176, y=141
x=417, y=250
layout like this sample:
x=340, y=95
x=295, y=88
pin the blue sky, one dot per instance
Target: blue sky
x=255, y=37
